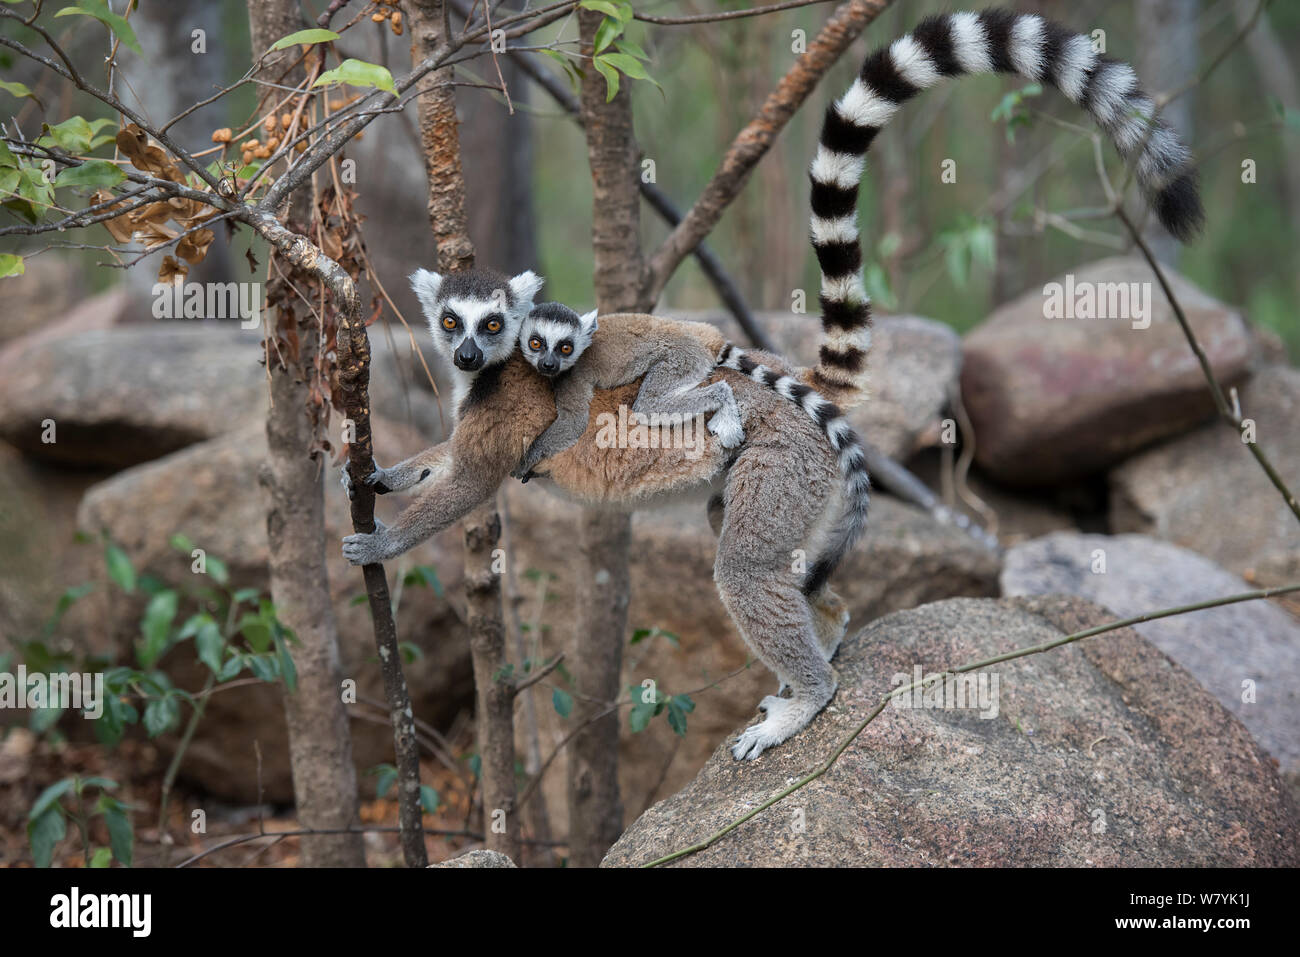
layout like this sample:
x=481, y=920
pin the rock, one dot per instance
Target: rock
x=1206, y=492
x=119, y=397
x=1221, y=647
x=41, y=558
x=905, y=559
x=1102, y=753
x=210, y=492
x=48, y=290
x=123, y=396
x=478, y=859
x=913, y=367
x=1053, y=399
x=1020, y=513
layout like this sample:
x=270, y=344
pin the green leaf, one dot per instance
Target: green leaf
x=73, y=134
x=157, y=625
x=104, y=784
x=410, y=651
x=120, y=833
x=428, y=799
x=11, y=265
x=610, y=75
x=246, y=594
x=217, y=569
x=386, y=778
x=624, y=45
x=119, y=567
x=358, y=73
x=14, y=87
x=99, y=10
x=99, y=173
x=641, y=714
x=562, y=701
x=43, y=719
x=7, y=159
x=627, y=64
x=263, y=667
x=181, y=543
x=210, y=644
x=424, y=576
x=617, y=11
x=256, y=631
x=287, y=669
x=43, y=833
x=102, y=857
x=160, y=715
x=233, y=666
x=49, y=798
x=304, y=36
x=676, y=718
x=608, y=31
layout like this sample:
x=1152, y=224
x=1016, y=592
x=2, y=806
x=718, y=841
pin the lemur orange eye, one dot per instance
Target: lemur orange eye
x=448, y=321
x=566, y=348
x=535, y=344
x=494, y=324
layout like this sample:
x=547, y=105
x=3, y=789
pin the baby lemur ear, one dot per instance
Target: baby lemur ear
x=426, y=285
x=588, y=322
x=526, y=286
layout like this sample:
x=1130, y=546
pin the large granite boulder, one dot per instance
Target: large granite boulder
x=1247, y=655
x=1055, y=398
x=1101, y=753
x=1206, y=492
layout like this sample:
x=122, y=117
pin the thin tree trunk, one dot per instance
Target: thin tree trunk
x=320, y=742
x=440, y=142
x=595, y=807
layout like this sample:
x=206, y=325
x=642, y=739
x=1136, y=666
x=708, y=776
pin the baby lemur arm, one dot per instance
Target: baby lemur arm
x=572, y=403
x=671, y=387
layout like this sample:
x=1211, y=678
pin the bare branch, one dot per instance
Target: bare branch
x=753, y=141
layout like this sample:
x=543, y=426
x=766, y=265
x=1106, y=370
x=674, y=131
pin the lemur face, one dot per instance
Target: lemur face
x=553, y=336
x=474, y=317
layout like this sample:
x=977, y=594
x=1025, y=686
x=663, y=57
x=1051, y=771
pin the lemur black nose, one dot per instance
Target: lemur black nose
x=469, y=356
x=549, y=365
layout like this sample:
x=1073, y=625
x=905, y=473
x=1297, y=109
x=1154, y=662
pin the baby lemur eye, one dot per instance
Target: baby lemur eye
x=566, y=348
x=449, y=320
x=493, y=325
x=535, y=344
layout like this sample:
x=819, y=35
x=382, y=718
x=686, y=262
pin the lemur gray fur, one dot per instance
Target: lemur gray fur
x=670, y=364
x=781, y=492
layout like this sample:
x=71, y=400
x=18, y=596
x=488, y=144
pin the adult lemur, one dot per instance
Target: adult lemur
x=781, y=492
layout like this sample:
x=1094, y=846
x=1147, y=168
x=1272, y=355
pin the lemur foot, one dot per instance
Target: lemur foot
x=785, y=717
x=371, y=548
x=726, y=425
x=524, y=471
x=378, y=480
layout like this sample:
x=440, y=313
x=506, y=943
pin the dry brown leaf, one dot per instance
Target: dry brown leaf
x=172, y=271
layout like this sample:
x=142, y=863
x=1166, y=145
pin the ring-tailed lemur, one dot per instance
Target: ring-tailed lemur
x=669, y=359
x=783, y=493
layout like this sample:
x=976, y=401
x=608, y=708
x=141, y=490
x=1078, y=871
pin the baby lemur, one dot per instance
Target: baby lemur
x=670, y=359
x=781, y=493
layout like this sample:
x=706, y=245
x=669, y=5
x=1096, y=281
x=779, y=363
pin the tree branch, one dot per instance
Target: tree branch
x=752, y=142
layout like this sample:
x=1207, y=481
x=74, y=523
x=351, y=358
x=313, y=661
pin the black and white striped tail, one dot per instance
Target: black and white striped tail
x=848, y=450
x=950, y=45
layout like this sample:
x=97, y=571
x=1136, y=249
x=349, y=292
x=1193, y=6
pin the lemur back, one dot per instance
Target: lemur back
x=582, y=354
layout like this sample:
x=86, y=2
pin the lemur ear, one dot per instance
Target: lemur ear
x=426, y=285
x=526, y=286
x=588, y=322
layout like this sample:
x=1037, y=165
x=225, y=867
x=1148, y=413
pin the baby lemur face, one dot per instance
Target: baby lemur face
x=474, y=316
x=553, y=336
